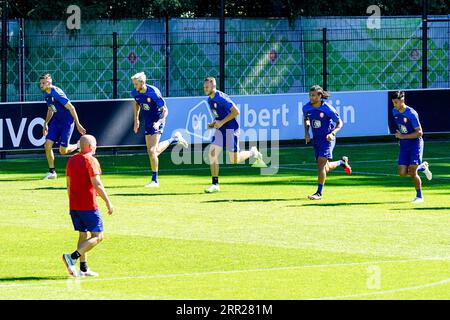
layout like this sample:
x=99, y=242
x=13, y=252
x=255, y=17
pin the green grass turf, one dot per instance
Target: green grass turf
x=259, y=238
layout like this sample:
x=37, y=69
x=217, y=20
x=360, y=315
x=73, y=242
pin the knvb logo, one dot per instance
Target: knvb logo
x=74, y=20
x=197, y=122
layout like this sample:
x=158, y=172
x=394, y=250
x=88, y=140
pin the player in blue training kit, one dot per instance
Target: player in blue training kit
x=149, y=102
x=410, y=135
x=226, y=134
x=320, y=116
x=59, y=123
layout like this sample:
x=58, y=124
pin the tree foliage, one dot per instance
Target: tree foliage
x=139, y=9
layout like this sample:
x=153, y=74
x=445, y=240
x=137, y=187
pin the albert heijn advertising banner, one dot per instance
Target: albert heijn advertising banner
x=262, y=117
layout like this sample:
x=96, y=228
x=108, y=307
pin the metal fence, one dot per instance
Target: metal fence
x=264, y=56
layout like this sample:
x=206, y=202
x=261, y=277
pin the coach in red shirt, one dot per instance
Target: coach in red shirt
x=83, y=184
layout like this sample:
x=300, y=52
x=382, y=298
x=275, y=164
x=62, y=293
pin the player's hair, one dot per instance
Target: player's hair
x=319, y=90
x=398, y=95
x=45, y=76
x=211, y=80
x=139, y=77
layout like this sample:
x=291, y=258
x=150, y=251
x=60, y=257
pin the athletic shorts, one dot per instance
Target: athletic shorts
x=149, y=130
x=60, y=133
x=324, y=148
x=228, y=138
x=87, y=220
x=411, y=153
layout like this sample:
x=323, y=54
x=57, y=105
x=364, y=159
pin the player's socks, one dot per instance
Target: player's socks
x=418, y=193
x=215, y=180
x=421, y=168
x=75, y=255
x=319, y=188
x=155, y=176
x=339, y=163
x=83, y=266
x=51, y=170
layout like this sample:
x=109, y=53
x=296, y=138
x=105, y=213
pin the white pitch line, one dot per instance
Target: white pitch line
x=365, y=294
x=225, y=272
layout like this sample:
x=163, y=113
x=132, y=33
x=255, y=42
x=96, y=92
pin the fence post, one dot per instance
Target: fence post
x=324, y=58
x=222, y=47
x=166, y=55
x=4, y=49
x=424, y=44
x=22, y=59
x=114, y=47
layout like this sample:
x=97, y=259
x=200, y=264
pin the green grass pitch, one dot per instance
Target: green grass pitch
x=259, y=238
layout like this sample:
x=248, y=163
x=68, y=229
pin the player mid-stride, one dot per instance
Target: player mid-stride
x=226, y=133
x=149, y=102
x=83, y=185
x=410, y=135
x=62, y=114
x=320, y=116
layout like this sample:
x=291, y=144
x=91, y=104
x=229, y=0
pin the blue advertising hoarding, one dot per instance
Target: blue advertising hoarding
x=262, y=117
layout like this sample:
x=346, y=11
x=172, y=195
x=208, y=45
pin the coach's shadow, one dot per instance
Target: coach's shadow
x=14, y=279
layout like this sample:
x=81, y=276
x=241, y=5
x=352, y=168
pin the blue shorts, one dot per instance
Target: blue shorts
x=411, y=153
x=228, y=138
x=60, y=133
x=89, y=220
x=149, y=130
x=324, y=148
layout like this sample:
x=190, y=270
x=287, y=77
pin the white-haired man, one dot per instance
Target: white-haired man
x=149, y=102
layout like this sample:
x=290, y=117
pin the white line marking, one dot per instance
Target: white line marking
x=365, y=294
x=206, y=273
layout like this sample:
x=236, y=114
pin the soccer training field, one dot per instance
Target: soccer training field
x=259, y=238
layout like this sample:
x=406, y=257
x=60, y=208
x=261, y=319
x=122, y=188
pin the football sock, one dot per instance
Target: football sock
x=421, y=168
x=51, y=170
x=319, y=188
x=83, y=266
x=75, y=255
x=215, y=180
x=172, y=140
x=419, y=193
x=155, y=176
x=339, y=163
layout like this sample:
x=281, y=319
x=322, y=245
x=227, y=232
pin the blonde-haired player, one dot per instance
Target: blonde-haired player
x=149, y=102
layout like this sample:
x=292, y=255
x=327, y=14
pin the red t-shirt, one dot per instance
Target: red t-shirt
x=80, y=168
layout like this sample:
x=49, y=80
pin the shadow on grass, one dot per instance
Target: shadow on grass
x=247, y=200
x=14, y=279
x=64, y=188
x=433, y=208
x=154, y=194
x=338, y=204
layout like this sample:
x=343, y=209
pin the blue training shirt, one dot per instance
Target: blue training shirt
x=56, y=100
x=406, y=122
x=220, y=106
x=321, y=119
x=151, y=102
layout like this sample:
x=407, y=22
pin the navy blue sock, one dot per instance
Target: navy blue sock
x=215, y=180
x=75, y=255
x=419, y=193
x=421, y=169
x=319, y=188
x=155, y=176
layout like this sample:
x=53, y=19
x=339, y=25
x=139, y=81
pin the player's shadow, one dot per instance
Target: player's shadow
x=247, y=200
x=155, y=194
x=325, y=204
x=18, y=279
x=433, y=208
x=45, y=188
